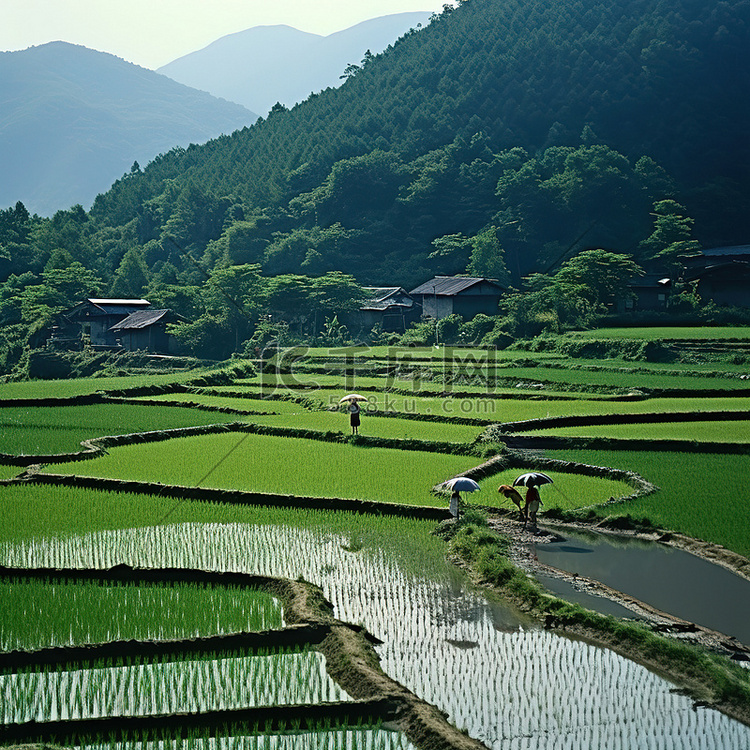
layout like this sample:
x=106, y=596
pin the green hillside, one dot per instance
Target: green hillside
x=645, y=79
x=499, y=140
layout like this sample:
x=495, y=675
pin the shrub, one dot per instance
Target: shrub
x=420, y=334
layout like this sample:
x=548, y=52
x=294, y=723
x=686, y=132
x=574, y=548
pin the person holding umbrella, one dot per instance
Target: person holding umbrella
x=353, y=400
x=533, y=501
x=354, y=411
x=457, y=485
x=453, y=505
x=531, y=481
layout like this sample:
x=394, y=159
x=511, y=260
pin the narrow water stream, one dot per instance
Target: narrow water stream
x=671, y=580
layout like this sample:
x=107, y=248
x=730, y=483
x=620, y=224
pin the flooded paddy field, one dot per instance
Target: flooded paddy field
x=167, y=688
x=497, y=675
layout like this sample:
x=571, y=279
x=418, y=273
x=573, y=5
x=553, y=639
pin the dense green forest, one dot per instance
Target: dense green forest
x=502, y=139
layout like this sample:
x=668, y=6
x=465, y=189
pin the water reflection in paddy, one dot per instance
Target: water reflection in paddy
x=506, y=682
x=666, y=578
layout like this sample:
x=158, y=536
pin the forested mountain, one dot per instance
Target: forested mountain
x=264, y=65
x=646, y=79
x=501, y=139
x=73, y=120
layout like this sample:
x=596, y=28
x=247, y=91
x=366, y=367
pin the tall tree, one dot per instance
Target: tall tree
x=488, y=257
x=601, y=276
x=671, y=241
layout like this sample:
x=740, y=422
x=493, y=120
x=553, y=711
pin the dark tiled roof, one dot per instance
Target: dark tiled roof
x=379, y=293
x=651, y=280
x=450, y=285
x=116, y=306
x=730, y=250
x=120, y=302
x=140, y=319
x=737, y=269
x=383, y=297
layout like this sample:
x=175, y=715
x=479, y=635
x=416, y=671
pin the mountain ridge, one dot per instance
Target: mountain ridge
x=263, y=65
x=74, y=119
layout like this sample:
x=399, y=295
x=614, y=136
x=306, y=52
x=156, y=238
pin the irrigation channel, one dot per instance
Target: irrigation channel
x=666, y=578
x=503, y=679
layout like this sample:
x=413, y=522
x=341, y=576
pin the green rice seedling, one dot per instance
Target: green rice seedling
x=295, y=415
x=262, y=464
x=519, y=410
x=448, y=634
x=386, y=427
x=213, y=684
x=84, y=386
x=43, y=430
x=623, y=381
x=257, y=463
x=446, y=407
x=275, y=406
x=669, y=333
x=38, y=615
x=735, y=431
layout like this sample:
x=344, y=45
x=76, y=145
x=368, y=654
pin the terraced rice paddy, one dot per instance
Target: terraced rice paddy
x=701, y=494
x=167, y=688
x=438, y=635
x=497, y=675
x=288, y=466
x=48, y=430
x=656, y=333
x=322, y=739
x=736, y=431
x=44, y=614
x=256, y=463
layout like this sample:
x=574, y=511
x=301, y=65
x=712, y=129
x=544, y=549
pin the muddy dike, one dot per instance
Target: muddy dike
x=351, y=661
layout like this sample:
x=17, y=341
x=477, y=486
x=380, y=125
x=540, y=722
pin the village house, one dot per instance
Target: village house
x=461, y=295
x=129, y=324
x=146, y=330
x=649, y=292
x=722, y=275
x=92, y=319
x=391, y=307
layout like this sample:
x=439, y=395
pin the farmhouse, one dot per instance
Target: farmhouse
x=461, y=295
x=146, y=330
x=390, y=307
x=650, y=292
x=94, y=318
x=129, y=324
x=722, y=275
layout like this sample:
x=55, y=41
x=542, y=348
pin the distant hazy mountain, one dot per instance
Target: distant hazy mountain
x=268, y=64
x=73, y=120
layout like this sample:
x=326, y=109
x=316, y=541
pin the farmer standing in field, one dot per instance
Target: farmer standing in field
x=354, y=410
x=454, y=504
x=533, y=501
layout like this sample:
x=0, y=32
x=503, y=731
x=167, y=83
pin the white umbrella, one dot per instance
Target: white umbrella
x=353, y=397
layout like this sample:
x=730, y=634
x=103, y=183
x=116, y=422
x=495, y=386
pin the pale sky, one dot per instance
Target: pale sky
x=152, y=33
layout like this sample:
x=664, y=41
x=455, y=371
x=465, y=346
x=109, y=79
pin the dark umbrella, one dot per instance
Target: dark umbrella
x=532, y=479
x=461, y=484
